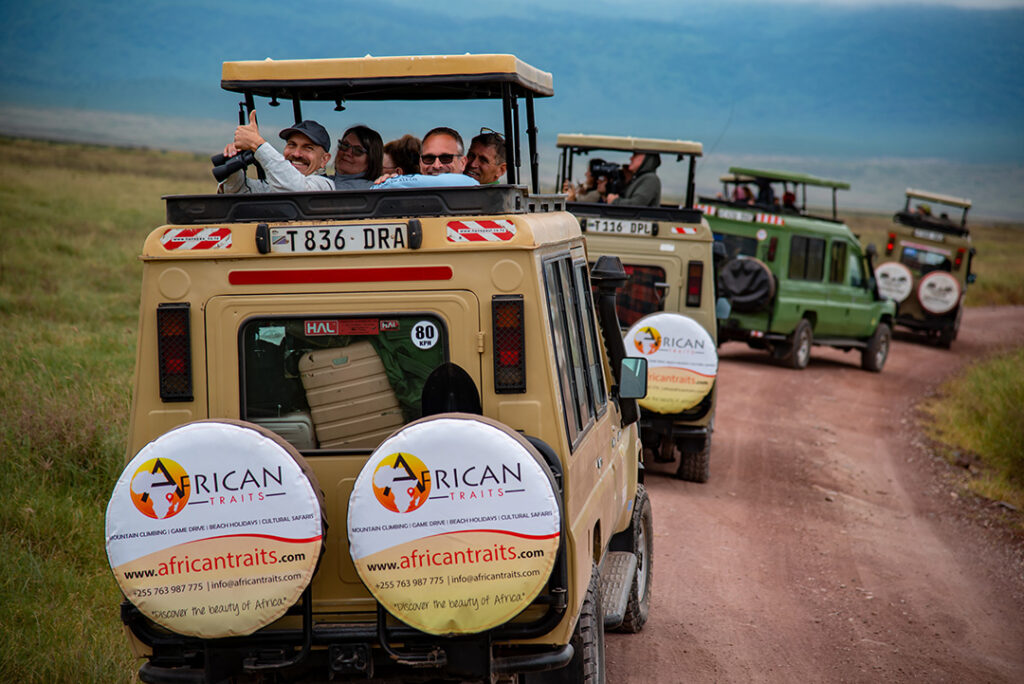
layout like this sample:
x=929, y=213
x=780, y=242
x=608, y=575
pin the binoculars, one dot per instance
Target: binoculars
x=225, y=166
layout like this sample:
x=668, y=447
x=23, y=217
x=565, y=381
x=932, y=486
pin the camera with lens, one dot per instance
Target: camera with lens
x=225, y=166
x=611, y=171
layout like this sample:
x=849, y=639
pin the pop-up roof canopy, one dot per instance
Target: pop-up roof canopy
x=783, y=176
x=435, y=77
x=579, y=143
x=940, y=199
x=739, y=174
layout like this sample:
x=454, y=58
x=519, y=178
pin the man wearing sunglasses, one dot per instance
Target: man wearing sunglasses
x=485, y=160
x=442, y=151
x=297, y=170
x=441, y=164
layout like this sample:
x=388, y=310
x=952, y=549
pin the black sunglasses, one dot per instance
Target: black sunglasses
x=429, y=159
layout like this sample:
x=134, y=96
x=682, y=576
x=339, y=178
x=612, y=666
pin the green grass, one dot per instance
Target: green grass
x=72, y=221
x=978, y=413
x=999, y=263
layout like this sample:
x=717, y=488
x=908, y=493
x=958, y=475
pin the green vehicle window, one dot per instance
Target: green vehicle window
x=856, y=272
x=806, y=258
x=837, y=265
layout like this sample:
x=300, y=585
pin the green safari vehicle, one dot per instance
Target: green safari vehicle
x=794, y=279
x=927, y=263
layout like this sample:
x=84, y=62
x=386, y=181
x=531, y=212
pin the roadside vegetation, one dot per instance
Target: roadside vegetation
x=977, y=417
x=72, y=220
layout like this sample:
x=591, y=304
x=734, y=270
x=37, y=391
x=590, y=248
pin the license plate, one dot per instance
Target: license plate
x=333, y=239
x=735, y=215
x=933, y=235
x=620, y=227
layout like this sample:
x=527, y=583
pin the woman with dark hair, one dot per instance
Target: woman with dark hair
x=360, y=159
x=402, y=156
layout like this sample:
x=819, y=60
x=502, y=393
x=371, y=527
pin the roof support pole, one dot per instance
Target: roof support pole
x=510, y=148
x=297, y=108
x=691, y=183
x=531, y=134
x=515, y=135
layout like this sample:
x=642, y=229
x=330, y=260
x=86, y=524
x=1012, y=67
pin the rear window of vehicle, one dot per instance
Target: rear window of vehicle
x=737, y=245
x=335, y=382
x=919, y=259
x=641, y=295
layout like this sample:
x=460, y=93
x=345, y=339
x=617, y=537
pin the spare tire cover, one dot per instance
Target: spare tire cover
x=215, y=528
x=454, y=524
x=938, y=292
x=682, y=361
x=748, y=283
x=895, y=281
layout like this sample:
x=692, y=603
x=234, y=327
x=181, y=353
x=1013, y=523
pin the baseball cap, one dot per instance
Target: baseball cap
x=312, y=130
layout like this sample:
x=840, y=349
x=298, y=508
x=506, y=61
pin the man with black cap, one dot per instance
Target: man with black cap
x=297, y=170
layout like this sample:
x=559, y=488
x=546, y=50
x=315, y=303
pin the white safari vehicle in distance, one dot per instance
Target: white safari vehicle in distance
x=385, y=433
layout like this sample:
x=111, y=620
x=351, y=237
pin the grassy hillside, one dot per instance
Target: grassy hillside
x=72, y=221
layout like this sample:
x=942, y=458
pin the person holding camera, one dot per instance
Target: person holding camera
x=644, y=188
x=297, y=170
x=594, y=186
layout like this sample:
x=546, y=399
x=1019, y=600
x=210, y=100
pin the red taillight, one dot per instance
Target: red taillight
x=891, y=244
x=772, y=246
x=509, y=344
x=174, y=346
x=960, y=252
x=694, y=282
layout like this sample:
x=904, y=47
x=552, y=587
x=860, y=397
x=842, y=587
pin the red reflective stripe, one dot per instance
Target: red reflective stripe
x=340, y=275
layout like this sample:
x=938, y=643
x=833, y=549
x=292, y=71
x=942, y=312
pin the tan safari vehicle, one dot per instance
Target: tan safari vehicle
x=927, y=263
x=384, y=433
x=667, y=252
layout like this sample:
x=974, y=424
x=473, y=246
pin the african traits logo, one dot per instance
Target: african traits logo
x=160, y=488
x=401, y=483
x=647, y=340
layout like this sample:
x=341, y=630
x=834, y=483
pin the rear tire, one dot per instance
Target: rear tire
x=799, y=353
x=695, y=466
x=587, y=664
x=874, y=355
x=642, y=525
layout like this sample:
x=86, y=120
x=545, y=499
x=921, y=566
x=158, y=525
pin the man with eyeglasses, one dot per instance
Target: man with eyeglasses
x=485, y=160
x=297, y=170
x=441, y=163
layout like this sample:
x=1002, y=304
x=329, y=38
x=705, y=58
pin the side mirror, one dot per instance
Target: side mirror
x=871, y=250
x=971, y=277
x=633, y=378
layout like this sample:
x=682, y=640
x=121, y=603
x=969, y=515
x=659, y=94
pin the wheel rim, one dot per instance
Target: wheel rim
x=803, y=352
x=882, y=352
x=641, y=563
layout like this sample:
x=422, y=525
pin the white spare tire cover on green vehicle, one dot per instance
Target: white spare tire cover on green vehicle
x=215, y=528
x=681, y=358
x=454, y=524
x=938, y=292
x=895, y=281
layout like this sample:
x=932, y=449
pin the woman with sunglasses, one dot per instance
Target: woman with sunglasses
x=360, y=159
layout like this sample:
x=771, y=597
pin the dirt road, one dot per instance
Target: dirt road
x=827, y=546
